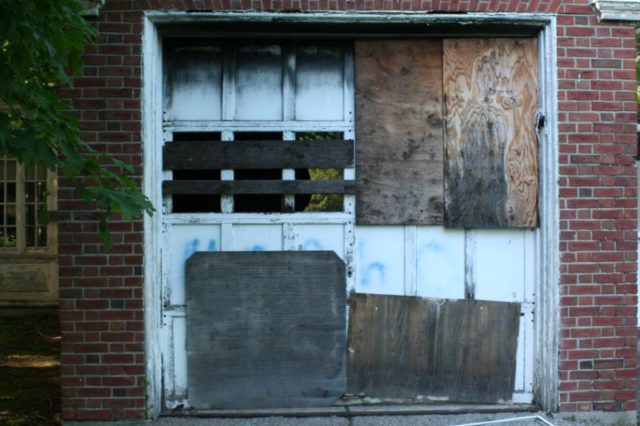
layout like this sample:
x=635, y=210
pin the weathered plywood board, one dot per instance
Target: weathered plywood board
x=399, y=131
x=491, y=168
x=265, y=329
x=449, y=350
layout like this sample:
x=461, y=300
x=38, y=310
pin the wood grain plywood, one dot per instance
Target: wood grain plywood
x=491, y=168
x=265, y=329
x=447, y=350
x=399, y=132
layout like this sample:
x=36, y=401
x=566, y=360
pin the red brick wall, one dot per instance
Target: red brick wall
x=101, y=295
x=596, y=71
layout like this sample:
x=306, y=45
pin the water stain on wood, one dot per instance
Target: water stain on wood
x=491, y=167
x=399, y=131
x=448, y=350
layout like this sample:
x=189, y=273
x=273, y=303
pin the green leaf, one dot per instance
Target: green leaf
x=41, y=45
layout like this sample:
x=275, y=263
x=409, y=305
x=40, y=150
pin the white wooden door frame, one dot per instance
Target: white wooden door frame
x=547, y=249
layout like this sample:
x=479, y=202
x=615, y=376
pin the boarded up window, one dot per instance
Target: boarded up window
x=399, y=132
x=491, y=169
x=279, y=115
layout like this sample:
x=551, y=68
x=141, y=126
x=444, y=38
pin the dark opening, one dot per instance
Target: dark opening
x=258, y=203
x=196, y=203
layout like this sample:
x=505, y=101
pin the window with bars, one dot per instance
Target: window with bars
x=23, y=197
x=255, y=127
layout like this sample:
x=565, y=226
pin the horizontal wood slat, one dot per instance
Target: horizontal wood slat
x=199, y=155
x=259, y=187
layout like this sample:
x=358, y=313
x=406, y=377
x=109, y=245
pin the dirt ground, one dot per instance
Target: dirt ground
x=30, y=370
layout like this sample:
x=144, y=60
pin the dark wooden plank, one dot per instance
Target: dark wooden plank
x=259, y=187
x=265, y=329
x=198, y=155
x=454, y=350
x=491, y=169
x=400, y=131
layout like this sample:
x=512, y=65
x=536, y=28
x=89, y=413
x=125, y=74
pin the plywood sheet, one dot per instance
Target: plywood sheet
x=265, y=329
x=447, y=350
x=399, y=131
x=491, y=169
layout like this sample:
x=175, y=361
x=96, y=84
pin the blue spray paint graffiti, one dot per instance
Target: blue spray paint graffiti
x=213, y=245
x=256, y=247
x=374, y=275
x=190, y=248
x=312, y=245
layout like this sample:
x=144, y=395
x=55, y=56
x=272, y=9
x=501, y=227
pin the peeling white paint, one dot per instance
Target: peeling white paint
x=403, y=268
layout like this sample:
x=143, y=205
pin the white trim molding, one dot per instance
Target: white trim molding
x=617, y=10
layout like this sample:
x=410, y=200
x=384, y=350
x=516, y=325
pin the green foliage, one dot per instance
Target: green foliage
x=41, y=45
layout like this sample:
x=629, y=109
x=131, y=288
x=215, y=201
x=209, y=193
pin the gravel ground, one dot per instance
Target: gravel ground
x=430, y=420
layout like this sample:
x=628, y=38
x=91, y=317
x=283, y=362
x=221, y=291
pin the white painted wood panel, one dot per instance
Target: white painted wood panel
x=500, y=258
x=179, y=355
x=195, y=84
x=440, y=257
x=258, y=237
x=181, y=242
x=319, y=83
x=379, y=261
x=258, y=83
x=320, y=237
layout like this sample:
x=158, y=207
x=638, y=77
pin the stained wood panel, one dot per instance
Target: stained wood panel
x=399, y=131
x=452, y=350
x=491, y=168
x=265, y=329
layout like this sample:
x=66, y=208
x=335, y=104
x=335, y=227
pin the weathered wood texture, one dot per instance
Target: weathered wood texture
x=399, y=132
x=259, y=187
x=491, y=168
x=268, y=154
x=455, y=350
x=265, y=329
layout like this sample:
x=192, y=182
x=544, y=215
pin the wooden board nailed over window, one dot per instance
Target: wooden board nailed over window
x=447, y=350
x=399, y=132
x=491, y=99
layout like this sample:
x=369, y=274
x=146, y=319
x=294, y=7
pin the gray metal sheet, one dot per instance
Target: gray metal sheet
x=265, y=329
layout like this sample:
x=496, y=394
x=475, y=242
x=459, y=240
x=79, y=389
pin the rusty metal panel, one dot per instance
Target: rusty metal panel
x=444, y=350
x=265, y=329
x=491, y=167
x=399, y=132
